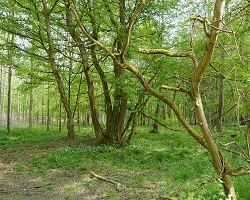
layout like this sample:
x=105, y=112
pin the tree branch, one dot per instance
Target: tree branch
x=130, y=24
x=157, y=120
x=238, y=171
x=85, y=32
x=117, y=184
x=166, y=52
x=175, y=89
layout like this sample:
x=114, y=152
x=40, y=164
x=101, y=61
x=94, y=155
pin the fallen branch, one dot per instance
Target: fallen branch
x=117, y=184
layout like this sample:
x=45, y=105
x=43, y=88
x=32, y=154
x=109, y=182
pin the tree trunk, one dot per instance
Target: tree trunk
x=70, y=120
x=78, y=118
x=1, y=96
x=120, y=96
x=155, y=124
x=31, y=108
x=43, y=118
x=217, y=157
x=60, y=117
x=221, y=105
x=48, y=108
x=209, y=110
x=94, y=114
x=206, y=140
x=9, y=99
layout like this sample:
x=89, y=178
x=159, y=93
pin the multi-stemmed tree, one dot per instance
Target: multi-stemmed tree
x=103, y=43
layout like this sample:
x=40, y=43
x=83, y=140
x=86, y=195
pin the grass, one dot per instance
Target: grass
x=165, y=164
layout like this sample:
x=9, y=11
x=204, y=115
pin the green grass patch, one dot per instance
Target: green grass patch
x=169, y=163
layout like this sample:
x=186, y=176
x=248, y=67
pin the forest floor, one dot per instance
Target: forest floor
x=39, y=165
x=19, y=185
x=53, y=184
x=57, y=183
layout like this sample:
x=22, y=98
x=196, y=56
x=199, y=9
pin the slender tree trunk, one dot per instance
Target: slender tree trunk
x=9, y=99
x=43, y=118
x=9, y=38
x=221, y=105
x=107, y=99
x=31, y=108
x=217, y=157
x=70, y=119
x=78, y=118
x=209, y=110
x=48, y=108
x=157, y=112
x=1, y=96
x=18, y=108
x=60, y=117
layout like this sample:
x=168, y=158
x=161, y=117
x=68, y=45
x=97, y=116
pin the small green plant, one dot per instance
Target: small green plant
x=48, y=188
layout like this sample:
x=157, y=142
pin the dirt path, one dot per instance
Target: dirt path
x=15, y=185
x=54, y=185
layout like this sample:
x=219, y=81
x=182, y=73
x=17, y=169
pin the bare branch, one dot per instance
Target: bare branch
x=243, y=154
x=157, y=120
x=175, y=89
x=117, y=184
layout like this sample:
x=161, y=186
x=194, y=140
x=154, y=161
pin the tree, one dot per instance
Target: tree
x=70, y=119
x=221, y=165
x=10, y=38
x=104, y=44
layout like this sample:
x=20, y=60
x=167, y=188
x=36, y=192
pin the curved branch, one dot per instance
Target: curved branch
x=130, y=24
x=167, y=101
x=85, y=32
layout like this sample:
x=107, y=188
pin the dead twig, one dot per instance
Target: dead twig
x=116, y=183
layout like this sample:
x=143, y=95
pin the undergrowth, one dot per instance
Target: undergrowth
x=169, y=163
